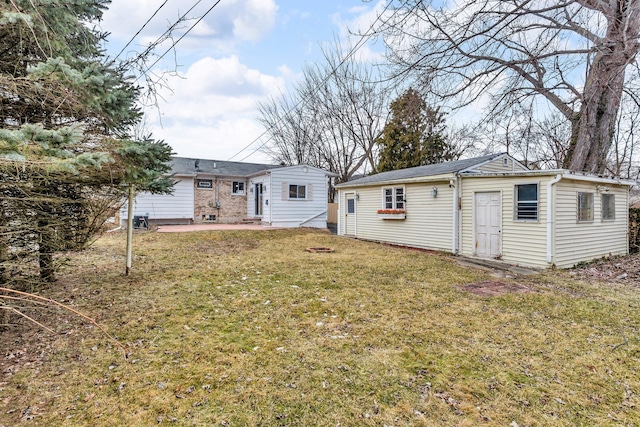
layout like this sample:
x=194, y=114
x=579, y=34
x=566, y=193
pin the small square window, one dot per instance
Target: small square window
x=237, y=188
x=608, y=207
x=204, y=183
x=297, y=191
x=585, y=207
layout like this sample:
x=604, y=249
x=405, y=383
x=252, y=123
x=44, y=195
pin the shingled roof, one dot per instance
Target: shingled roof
x=191, y=166
x=422, y=171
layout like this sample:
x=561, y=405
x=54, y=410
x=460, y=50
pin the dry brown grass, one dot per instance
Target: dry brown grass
x=248, y=328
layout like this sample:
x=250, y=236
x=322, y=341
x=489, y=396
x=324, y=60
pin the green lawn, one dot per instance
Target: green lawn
x=247, y=328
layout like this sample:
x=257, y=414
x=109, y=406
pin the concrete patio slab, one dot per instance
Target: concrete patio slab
x=211, y=227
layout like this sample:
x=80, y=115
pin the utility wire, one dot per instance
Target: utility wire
x=183, y=36
x=163, y=35
x=140, y=30
x=363, y=39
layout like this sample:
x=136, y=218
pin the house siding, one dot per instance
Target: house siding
x=428, y=223
x=309, y=212
x=177, y=207
x=498, y=165
x=584, y=241
x=523, y=243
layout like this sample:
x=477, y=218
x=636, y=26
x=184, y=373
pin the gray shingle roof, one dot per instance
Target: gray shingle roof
x=422, y=171
x=191, y=166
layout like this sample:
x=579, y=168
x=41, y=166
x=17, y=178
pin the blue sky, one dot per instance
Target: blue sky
x=242, y=52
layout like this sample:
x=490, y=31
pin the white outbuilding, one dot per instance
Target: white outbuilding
x=491, y=207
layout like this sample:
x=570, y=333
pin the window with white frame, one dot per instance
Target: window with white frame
x=585, y=207
x=608, y=207
x=297, y=191
x=393, y=198
x=237, y=188
x=204, y=183
x=526, y=208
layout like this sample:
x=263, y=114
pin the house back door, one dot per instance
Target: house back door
x=488, y=221
x=258, y=199
x=350, y=214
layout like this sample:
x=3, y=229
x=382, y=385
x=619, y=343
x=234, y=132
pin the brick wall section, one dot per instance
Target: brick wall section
x=232, y=208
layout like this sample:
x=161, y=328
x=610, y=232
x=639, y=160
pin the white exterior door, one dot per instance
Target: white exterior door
x=349, y=214
x=488, y=225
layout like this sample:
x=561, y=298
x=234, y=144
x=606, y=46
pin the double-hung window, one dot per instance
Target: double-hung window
x=527, y=205
x=237, y=188
x=585, y=207
x=393, y=198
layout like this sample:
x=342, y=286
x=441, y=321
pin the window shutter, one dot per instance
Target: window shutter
x=285, y=191
x=309, y=191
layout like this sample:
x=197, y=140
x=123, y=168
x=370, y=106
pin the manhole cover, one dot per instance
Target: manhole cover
x=320, y=250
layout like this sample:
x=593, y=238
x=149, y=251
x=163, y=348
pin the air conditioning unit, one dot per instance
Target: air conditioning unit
x=141, y=221
x=209, y=218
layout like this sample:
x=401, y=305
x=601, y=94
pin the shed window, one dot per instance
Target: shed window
x=204, y=183
x=237, y=188
x=393, y=198
x=297, y=191
x=585, y=207
x=608, y=207
x=527, y=202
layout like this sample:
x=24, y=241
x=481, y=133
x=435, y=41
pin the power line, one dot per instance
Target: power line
x=160, y=38
x=182, y=36
x=140, y=30
x=365, y=37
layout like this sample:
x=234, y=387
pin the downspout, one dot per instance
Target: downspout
x=454, y=234
x=270, y=190
x=549, y=220
x=339, y=196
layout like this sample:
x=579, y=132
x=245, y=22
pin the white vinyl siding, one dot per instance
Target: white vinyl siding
x=523, y=242
x=584, y=241
x=310, y=211
x=428, y=222
x=498, y=165
x=178, y=205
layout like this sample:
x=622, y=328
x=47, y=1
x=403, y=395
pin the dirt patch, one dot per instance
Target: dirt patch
x=618, y=269
x=490, y=288
x=320, y=250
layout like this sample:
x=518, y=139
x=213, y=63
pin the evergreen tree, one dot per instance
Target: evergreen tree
x=414, y=136
x=64, y=118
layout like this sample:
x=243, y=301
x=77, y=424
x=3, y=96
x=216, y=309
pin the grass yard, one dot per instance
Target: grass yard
x=246, y=329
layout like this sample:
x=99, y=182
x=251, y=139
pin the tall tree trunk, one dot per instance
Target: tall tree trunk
x=45, y=252
x=594, y=129
x=595, y=126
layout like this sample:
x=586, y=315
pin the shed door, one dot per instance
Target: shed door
x=488, y=220
x=350, y=214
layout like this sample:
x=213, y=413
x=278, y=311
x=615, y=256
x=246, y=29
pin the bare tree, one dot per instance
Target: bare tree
x=572, y=54
x=331, y=119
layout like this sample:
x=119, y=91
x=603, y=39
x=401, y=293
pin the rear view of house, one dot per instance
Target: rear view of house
x=208, y=191
x=491, y=207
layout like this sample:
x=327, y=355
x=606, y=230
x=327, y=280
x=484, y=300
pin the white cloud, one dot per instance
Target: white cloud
x=210, y=111
x=230, y=21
